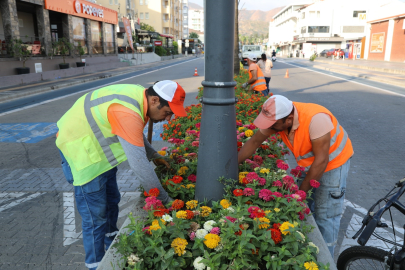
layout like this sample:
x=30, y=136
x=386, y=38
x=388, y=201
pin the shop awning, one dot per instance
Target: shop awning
x=167, y=36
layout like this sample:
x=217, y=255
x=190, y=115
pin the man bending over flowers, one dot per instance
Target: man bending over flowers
x=320, y=145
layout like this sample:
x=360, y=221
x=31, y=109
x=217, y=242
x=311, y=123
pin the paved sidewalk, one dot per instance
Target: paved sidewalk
x=14, y=92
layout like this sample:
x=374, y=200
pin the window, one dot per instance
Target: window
x=318, y=14
x=111, y=2
x=303, y=30
x=318, y=29
x=141, y=2
x=312, y=14
x=141, y=16
x=356, y=13
x=116, y=2
x=303, y=15
x=146, y=2
x=146, y=15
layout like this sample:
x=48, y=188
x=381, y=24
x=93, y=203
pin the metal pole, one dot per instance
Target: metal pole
x=217, y=154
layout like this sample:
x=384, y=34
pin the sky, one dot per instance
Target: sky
x=264, y=5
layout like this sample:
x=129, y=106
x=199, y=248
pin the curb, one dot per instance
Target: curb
x=387, y=70
x=13, y=96
x=371, y=78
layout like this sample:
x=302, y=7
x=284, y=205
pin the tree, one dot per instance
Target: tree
x=147, y=27
x=236, y=65
x=194, y=35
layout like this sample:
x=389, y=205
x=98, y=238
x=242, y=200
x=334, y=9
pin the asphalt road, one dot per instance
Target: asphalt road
x=39, y=228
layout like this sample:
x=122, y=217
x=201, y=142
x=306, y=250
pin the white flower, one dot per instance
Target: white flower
x=201, y=233
x=186, y=161
x=208, y=225
x=219, y=247
x=230, y=209
x=282, y=172
x=132, y=259
x=273, y=257
x=223, y=221
x=302, y=237
x=313, y=245
x=241, y=219
x=256, y=169
x=167, y=218
x=198, y=265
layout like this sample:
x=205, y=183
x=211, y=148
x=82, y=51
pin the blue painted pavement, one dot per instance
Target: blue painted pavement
x=26, y=132
x=157, y=130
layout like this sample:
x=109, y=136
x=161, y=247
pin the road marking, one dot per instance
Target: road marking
x=381, y=89
x=97, y=87
x=26, y=132
x=70, y=234
x=18, y=201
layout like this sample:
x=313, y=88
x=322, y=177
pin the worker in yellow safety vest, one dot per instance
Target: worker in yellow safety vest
x=256, y=80
x=101, y=130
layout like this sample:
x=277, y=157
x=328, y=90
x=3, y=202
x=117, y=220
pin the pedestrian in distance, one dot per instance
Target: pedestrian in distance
x=101, y=130
x=266, y=66
x=256, y=80
x=320, y=145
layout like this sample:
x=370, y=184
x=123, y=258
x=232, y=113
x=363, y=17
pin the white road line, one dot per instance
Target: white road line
x=381, y=89
x=22, y=200
x=65, y=96
x=6, y=196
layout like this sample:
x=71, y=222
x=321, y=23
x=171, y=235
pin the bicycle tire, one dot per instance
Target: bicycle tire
x=350, y=255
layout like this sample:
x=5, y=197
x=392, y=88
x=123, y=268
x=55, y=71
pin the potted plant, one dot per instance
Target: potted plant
x=64, y=47
x=80, y=52
x=20, y=50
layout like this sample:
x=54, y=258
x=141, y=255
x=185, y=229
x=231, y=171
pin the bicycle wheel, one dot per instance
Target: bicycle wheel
x=359, y=257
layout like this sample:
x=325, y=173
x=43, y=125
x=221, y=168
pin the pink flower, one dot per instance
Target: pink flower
x=192, y=155
x=241, y=135
x=314, y=183
x=302, y=194
x=262, y=181
x=239, y=124
x=279, y=161
x=215, y=230
x=192, y=236
x=146, y=230
x=300, y=168
x=278, y=194
x=258, y=159
x=282, y=165
x=164, y=148
x=297, y=197
x=175, y=151
x=265, y=194
x=307, y=211
x=152, y=202
x=231, y=219
x=252, y=176
x=253, y=209
x=192, y=178
x=191, y=132
x=296, y=172
x=277, y=183
x=288, y=181
x=301, y=216
x=293, y=188
x=195, y=143
x=271, y=156
x=248, y=192
x=198, y=125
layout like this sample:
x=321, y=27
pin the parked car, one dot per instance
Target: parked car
x=331, y=53
x=323, y=53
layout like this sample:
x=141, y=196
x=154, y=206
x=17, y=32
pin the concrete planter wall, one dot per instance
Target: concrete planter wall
x=114, y=261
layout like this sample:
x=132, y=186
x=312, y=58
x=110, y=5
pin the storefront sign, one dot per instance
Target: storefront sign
x=127, y=26
x=38, y=67
x=83, y=9
x=377, y=42
x=158, y=43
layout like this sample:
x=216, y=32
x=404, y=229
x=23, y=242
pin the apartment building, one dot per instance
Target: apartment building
x=166, y=16
x=185, y=19
x=196, y=19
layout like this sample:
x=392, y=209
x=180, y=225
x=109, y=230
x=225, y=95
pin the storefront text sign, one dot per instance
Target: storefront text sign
x=83, y=9
x=127, y=27
x=377, y=42
x=158, y=43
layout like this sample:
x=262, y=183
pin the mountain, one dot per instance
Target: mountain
x=255, y=21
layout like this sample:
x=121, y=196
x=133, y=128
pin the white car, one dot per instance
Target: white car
x=248, y=49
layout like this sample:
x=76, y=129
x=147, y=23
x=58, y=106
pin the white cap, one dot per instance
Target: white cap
x=252, y=57
x=174, y=94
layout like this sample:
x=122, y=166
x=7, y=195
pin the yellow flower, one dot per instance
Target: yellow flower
x=179, y=245
x=277, y=209
x=285, y=226
x=263, y=222
x=225, y=203
x=205, y=211
x=267, y=212
x=185, y=154
x=241, y=128
x=264, y=170
x=155, y=226
x=162, y=153
x=311, y=266
x=182, y=170
x=241, y=176
x=190, y=186
x=249, y=133
x=191, y=204
x=181, y=214
x=212, y=240
x=295, y=223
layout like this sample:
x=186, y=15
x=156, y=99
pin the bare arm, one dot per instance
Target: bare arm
x=320, y=148
x=251, y=145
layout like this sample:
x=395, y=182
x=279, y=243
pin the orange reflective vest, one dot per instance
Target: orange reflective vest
x=340, y=149
x=260, y=83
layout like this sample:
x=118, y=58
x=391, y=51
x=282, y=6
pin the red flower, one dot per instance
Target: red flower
x=239, y=144
x=177, y=179
x=238, y=192
x=240, y=231
x=314, y=183
x=190, y=214
x=192, y=178
x=276, y=235
x=177, y=204
x=154, y=192
x=160, y=212
x=276, y=226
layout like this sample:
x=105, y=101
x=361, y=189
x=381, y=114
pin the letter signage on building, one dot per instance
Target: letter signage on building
x=82, y=8
x=377, y=42
x=158, y=43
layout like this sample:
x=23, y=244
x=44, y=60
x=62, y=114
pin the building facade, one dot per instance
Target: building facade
x=302, y=29
x=185, y=19
x=196, y=19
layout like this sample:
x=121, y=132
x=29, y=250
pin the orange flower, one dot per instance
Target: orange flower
x=190, y=214
x=154, y=192
x=177, y=179
x=160, y=212
x=177, y=204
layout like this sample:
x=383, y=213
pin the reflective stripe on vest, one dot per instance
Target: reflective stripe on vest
x=103, y=141
x=338, y=150
x=259, y=83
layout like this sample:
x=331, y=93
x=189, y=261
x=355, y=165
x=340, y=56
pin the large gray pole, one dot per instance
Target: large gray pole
x=217, y=154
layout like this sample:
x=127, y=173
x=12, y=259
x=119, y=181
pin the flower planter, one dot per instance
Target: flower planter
x=114, y=261
x=23, y=70
x=80, y=64
x=64, y=66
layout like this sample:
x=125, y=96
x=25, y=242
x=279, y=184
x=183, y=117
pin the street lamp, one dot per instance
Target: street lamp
x=217, y=154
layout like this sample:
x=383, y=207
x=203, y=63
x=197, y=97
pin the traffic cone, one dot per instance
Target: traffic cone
x=195, y=72
x=286, y=75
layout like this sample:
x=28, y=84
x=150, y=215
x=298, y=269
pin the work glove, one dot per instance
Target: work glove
x=245, y=85
x=160, y=160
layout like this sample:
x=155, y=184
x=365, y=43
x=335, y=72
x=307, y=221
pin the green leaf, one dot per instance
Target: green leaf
x=169, y=254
